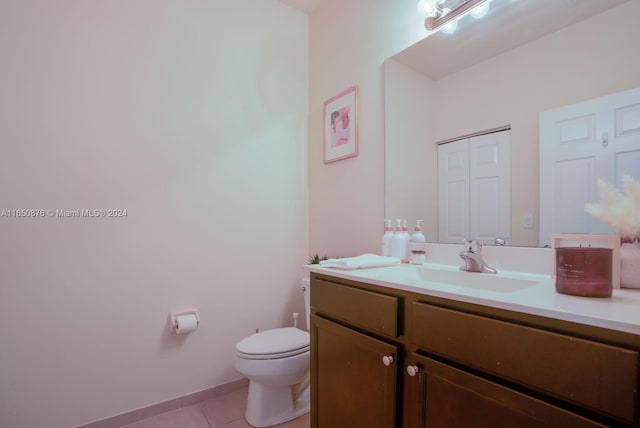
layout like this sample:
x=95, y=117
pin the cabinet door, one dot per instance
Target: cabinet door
x=352, y=387
x=444, y=397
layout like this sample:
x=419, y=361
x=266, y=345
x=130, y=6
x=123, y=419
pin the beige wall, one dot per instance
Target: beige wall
x=192, y=116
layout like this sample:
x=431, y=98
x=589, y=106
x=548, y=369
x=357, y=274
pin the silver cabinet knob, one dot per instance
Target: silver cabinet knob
x=413, y=370
x=387, y=360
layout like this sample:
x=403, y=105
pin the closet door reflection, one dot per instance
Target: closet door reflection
x=474, y=189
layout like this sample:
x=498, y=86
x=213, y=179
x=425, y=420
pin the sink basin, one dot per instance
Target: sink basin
x=418, y=275
x=485, y=281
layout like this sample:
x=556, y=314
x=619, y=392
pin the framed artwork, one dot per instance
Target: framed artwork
x=341, y=126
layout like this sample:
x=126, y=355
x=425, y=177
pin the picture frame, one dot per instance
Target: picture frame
x=340, y=126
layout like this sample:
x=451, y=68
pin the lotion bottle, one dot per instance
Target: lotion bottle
x=405, y=231
x=387, y=238
x=398, y=242
x=405, y=237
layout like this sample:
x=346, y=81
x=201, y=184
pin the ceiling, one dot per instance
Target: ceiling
x=509, y=24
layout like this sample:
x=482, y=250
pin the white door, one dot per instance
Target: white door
x=580, y=143
x=474, y=188
x=453, y=191
x=490, y=187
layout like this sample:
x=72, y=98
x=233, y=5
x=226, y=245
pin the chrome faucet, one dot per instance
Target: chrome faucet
x=472, y=257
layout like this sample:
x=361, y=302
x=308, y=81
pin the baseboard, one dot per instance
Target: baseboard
x=166, y=406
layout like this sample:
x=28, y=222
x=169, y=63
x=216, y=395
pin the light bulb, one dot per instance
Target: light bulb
x=450, y=27
x=480, y=11
x=427, y=8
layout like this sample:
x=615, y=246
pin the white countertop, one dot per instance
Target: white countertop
x=533, y=294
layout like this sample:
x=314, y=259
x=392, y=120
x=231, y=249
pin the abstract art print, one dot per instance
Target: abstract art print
x=341, y=126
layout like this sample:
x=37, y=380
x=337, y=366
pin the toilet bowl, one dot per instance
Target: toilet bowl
x=276, y=362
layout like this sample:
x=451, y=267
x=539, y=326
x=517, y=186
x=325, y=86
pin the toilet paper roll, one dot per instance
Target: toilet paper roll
x=186, y=323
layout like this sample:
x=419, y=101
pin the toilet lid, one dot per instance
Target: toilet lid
x=279, y=341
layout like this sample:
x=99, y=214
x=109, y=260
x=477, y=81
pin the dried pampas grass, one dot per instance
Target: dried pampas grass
x=619, y=210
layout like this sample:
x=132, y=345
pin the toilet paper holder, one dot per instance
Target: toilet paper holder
x=174, y=318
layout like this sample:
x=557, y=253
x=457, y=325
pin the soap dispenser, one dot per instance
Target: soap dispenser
x=417, y=235
x=405, y=237
x=387, y=238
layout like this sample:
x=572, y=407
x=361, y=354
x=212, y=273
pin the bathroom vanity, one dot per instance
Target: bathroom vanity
x=416, y=347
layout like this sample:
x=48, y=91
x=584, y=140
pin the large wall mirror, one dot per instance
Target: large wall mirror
x=523, y=58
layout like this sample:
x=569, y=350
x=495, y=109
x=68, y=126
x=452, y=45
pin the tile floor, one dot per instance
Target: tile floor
x=225, y=411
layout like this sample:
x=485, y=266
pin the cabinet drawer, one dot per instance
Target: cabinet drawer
x=601, y=377
x=372, y=311
x=450, y=397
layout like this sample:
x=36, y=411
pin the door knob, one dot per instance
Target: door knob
x=387, y=360
x=413, y=370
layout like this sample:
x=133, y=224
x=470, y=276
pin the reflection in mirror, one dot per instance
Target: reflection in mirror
x=580, y=144
x=474, y=188
x=525, y=57
x=445, y=13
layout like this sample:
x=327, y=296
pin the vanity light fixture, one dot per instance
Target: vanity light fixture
x=443, y=14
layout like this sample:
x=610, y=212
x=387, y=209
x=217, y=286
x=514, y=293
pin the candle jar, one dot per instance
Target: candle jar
x=418, y=257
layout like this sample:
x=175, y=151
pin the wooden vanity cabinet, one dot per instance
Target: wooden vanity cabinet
x=354, y=357
x=469, y=365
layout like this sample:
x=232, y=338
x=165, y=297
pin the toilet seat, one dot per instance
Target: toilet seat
x=272, y=344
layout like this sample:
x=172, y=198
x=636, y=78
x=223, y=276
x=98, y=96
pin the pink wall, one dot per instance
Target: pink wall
x=191, y=116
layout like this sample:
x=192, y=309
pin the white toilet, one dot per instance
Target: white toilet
x=277, y=365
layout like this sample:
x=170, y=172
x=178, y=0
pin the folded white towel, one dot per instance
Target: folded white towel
x=361, y=262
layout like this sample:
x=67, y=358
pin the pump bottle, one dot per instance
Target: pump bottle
x=417, y=235
x=399, y=242
x=405, y=231
x=387, y=238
